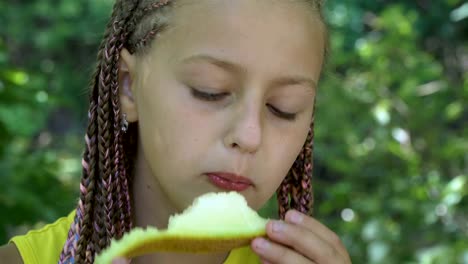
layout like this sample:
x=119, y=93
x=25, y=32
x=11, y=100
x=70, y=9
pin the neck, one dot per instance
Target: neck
x=151, y=207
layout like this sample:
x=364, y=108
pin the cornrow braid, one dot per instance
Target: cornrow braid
x=283, y=194
x=104, y=208
x=122, y=217
x=142, y=12
x=149, y=26
x=301, y=192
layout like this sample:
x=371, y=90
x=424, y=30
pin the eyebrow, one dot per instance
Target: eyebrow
x=231, y=66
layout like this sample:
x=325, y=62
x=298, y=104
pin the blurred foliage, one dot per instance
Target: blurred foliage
x=47, y=53
x=391, y=149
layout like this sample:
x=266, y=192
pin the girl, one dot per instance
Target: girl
x=192, y=97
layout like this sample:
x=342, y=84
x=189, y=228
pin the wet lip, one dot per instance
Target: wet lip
x=229, y=181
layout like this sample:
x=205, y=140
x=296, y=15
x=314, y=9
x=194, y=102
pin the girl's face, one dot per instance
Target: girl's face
x=262, y=60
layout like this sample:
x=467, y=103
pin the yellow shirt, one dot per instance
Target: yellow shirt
x=43, y=246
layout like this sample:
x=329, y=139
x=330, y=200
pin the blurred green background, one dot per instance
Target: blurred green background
x=391, y=164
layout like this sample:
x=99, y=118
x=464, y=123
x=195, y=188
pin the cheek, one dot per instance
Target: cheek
x=170, y=126
x=282, y=149
x=186, y=134
x=284, y=157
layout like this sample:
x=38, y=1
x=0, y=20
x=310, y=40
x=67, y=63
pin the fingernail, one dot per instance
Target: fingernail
x=295, y=217
x=277, y=226
x=261, y=244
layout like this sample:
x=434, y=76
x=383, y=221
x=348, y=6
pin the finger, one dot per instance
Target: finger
x=264, y=261
x=120, y=261
x=305, y=242
x=298, y=218
x=273, y=253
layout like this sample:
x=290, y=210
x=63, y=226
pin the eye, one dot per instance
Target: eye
x=281, y=114
x=207, y=96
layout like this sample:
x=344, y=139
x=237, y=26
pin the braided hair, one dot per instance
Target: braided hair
x=104, y=208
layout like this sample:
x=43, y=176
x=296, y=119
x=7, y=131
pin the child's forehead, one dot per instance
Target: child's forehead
x=239, y=16
x=243, y=16
x=237, y=33
x=206, y=9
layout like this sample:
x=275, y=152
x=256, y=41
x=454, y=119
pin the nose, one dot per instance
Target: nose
x=245, y=133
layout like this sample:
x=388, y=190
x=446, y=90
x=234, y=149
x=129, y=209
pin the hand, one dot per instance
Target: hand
x=300, y=239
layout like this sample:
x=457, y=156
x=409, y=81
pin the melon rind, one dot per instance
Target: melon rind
x=214, y=222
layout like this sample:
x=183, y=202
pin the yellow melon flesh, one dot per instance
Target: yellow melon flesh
x=214, y=222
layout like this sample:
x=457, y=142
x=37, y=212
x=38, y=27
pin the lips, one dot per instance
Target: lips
x=229, y=181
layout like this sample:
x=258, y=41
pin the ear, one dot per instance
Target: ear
x=127, y=66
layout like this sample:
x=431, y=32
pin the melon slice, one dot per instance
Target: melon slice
x=214, y=222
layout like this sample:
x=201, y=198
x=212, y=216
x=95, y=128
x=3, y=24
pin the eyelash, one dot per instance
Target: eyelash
x=208, y=96
x=281, y=114
x=212, y=97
